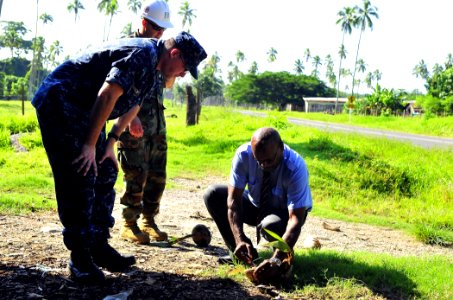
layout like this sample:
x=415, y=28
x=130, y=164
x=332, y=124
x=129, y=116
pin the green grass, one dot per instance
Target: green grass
x=325, y=274
x=353, y=178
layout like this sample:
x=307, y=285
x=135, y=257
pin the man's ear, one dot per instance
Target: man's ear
x=174, y=52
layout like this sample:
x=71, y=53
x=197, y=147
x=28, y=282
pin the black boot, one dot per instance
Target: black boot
x=82, y=268
x=107, y=257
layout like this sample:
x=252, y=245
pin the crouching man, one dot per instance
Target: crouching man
x=268, y=188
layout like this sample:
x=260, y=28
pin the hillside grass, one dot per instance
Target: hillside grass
x=353, y=178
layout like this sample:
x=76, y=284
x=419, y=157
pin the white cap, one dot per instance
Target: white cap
x=159, y=13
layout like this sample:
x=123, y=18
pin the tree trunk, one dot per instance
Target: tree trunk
x=199, y=98
x=191, y=112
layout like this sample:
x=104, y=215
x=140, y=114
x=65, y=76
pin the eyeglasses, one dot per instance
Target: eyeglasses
x=155, y=26
x=183, y=62
x=266, y=162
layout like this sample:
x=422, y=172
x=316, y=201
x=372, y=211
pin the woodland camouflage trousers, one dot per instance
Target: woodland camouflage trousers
x=143, y=161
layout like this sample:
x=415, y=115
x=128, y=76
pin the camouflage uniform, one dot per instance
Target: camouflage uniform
x=144, y=160
x=63, y=104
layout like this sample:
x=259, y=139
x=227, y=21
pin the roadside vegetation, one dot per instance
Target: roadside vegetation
x=353, y=178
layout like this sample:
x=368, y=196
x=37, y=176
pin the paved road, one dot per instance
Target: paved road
x=417, y=139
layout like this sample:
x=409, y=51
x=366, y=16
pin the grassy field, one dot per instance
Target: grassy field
x=353, y=178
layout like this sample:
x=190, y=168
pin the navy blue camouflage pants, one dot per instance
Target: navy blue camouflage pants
x=85, y=203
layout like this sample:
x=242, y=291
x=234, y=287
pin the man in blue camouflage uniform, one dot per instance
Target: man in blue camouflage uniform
x=73, y=104
x=144, y=159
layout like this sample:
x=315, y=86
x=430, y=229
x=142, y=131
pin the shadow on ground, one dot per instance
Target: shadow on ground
x=33, y=282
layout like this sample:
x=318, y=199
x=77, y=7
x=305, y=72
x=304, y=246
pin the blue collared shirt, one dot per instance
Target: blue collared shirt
x=290, y=186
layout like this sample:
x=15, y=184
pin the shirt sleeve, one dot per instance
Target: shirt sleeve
x=299, y=193
x=126, y=70
x=238, y=172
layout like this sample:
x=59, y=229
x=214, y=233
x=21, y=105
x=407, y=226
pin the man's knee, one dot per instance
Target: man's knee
x=215, y=195
x=275, y=224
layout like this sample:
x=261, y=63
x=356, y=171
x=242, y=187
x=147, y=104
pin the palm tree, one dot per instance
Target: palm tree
x=134, y=5
x=330, y=74
x=377, y=75
x=364, y=21
x=299, y=67
x=46, y=18
x=240, y=56
x=369, y=79
x=272, y=54
x=316, y=63
x=421, y=70
x=214, y=62
x=110, y=8
x=449, y=61
x=54, y=51
x=127, y=30
x=307, y=54
x=75, y=6
x=347, y=20
x=253, y=68
x=187, y=14
x=437, y=69
x=1, y=4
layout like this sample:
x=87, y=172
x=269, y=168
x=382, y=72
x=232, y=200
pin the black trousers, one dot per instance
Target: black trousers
x=85, y=203
x=215, y=199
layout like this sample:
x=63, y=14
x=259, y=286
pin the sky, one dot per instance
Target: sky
x=406, y=32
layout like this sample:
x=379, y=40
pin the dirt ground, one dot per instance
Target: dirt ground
x=33, y=259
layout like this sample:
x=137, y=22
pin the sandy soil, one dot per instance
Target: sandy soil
x=33, y=258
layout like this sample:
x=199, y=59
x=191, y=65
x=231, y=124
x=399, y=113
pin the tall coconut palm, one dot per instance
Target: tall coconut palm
x=377, y=75
x=109, y=8
x=364, y=21
x=316, y=63
x=1, y=4
x=253, y=68
x=299, y=67
x=46, y=18
x=307, y=54
x=187, y=14
x=369, y=79
x=240, y=57
x=449, y=61
x=75, y=6
x=421, y=70
x=272, y=54
x=134, y=5
x=213, y=63
x=347, y=21
x=54, y=51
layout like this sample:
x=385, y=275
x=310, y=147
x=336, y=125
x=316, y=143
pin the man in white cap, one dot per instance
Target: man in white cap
x=142, y=148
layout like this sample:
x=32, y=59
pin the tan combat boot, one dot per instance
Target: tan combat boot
x=150, y=227
x=131, y=232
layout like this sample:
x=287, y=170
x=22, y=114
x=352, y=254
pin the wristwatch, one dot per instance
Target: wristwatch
x=113, y=136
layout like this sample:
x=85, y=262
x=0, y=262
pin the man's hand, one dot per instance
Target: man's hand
x=136, y=128
x=86, y=160
x=271, y=270
x=246, y=253
x=110, y=153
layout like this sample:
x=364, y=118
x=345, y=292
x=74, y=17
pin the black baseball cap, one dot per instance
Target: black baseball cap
x=192, y=52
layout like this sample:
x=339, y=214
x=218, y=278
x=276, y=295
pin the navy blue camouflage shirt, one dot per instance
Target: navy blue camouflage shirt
x=130, y=63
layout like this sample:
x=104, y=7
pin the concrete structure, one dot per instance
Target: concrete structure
x=323, y=104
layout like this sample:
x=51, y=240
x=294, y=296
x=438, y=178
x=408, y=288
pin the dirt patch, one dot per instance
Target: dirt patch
x=33, y=258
